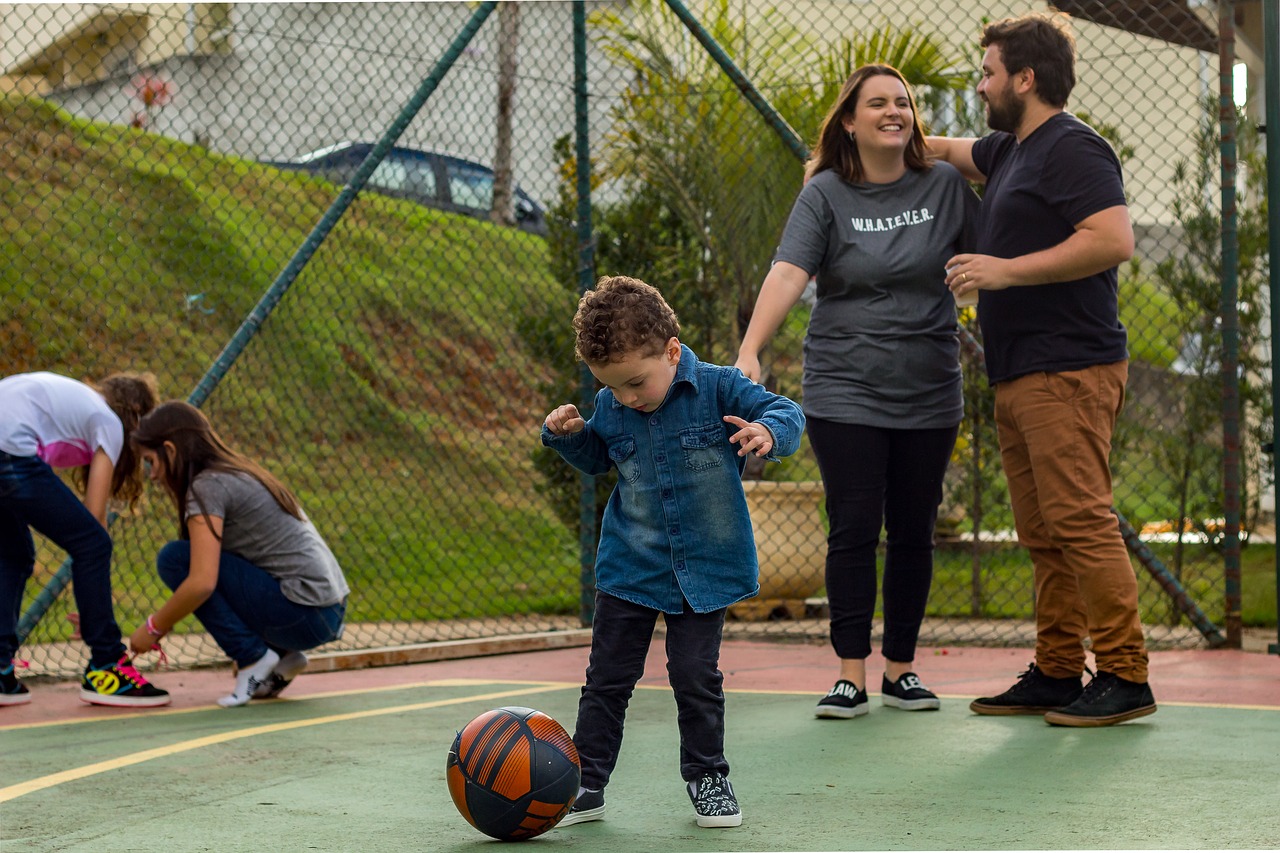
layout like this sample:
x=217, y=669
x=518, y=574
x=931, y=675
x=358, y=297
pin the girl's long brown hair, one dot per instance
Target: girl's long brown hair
x=130, y=396
x=197, y=448
x=835, y=150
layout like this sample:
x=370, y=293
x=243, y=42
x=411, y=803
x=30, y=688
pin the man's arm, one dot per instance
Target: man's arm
x=1100, y=242
x=958, y=152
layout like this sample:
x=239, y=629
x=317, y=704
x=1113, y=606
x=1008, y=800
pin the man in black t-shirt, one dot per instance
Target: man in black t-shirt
x=1054, y=229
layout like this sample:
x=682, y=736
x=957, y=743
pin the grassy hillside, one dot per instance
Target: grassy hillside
x=388, y=387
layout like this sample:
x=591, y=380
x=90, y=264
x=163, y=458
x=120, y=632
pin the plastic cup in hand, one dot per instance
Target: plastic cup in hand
x=967, y=300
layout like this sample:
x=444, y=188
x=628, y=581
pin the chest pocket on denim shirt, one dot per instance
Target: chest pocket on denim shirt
x=622, y=452
x=703, y=446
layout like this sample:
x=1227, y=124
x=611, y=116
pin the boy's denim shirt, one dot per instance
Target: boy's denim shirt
x=676, y=527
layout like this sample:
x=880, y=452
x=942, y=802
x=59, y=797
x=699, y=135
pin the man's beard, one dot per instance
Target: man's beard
x=1006, y=115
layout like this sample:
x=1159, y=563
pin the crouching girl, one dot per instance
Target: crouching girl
x=249, y=564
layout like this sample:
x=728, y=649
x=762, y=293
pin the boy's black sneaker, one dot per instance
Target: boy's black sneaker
x=12, y=691
x=1109, y=699
x=588, y=806
x=908, y=693
x=1033, y=693
x=843, y=702
x=714, y=801
x=120, y=686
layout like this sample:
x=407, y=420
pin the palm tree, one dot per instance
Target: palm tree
x=684, y=132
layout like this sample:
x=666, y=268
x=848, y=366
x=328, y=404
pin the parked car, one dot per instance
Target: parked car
x=425, y=177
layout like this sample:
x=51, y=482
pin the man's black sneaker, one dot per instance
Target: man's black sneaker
x=844, y=702
x=1109, y=699
x=908, y=694
x=714, y=801
x=121, y=686
x=12, y=691
x=588, y=806
x=1033, y=693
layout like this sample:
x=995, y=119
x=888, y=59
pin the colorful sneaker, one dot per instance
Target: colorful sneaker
x=249, y=679
x=714, y=801
x=908, y=694
x=12, y=691
x=282, y=676
x=1033, y=693
x=1109, y=699
x=843, y=702
x=120, y=686
x=588, y=806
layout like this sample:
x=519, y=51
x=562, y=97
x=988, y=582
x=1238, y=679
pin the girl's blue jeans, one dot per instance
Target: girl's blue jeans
x=33, y=496
x=248, y=613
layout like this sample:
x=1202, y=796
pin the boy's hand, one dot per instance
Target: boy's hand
x=565, y=420
x=754, y=437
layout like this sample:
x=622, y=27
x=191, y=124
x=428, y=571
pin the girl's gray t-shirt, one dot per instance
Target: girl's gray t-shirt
x=255, y=528
x=882, y=347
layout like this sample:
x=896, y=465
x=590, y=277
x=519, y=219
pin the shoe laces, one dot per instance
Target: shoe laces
x=1024, y=678
x=18, y=663
x=1099, y=685
x=128, y=671
x=1032, y=670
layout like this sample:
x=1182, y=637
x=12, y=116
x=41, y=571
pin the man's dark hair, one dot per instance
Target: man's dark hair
x=1043, y=43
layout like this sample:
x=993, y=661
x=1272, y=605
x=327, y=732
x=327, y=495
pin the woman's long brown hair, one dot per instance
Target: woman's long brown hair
x=835, y=150
x=197, y=448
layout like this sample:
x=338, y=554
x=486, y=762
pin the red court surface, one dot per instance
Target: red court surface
x=1217, y=677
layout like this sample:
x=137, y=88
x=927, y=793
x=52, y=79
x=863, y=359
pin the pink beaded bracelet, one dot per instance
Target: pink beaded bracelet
x=153, y=630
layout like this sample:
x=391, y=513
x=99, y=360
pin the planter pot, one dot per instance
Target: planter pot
x=791, y=545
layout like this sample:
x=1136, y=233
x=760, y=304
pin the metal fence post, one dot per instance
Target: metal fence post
x=1271, y=43
x=586, y=277
x=1230, y=326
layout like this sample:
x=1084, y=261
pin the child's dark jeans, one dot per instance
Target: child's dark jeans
x=620, y=637
x=33, y=495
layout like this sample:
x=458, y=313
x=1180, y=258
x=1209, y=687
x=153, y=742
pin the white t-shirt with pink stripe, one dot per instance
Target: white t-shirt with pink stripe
x=58, y=419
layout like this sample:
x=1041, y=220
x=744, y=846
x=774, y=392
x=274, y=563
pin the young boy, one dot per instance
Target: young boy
x=676, y=537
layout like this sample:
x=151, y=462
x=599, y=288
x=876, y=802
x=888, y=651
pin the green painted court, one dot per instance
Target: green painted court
x=355, y=761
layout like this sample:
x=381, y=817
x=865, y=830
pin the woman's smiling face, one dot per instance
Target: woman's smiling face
x=882, y=116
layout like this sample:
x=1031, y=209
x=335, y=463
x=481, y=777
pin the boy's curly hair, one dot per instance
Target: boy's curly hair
x=622, y=316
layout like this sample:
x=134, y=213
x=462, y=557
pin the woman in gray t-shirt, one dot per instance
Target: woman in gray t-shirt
x=874, y=224
x=250, y=565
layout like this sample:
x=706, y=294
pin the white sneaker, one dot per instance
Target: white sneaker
x=282, y=676
x=249, y=678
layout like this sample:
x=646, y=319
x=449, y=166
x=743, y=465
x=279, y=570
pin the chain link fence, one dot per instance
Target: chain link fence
x=166, y=166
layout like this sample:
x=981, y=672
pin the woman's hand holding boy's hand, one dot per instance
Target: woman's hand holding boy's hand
x=754, y=437
x=565, y=420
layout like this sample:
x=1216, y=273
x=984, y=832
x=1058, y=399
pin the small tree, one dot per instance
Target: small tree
x=1193, y=278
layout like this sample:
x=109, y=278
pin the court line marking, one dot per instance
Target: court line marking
x=468, y=682
x=152, y=713
x=12, y=792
